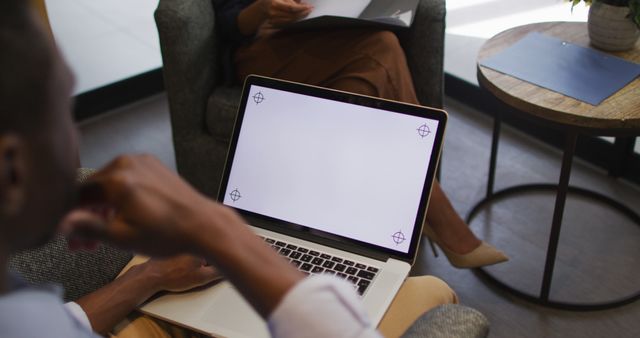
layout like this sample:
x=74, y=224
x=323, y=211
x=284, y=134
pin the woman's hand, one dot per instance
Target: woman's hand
x=272, y=12
x=282, y=12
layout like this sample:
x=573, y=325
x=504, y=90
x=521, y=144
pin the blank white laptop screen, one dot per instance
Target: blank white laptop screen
x=345, y=169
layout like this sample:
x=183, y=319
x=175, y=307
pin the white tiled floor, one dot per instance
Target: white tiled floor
x=105, y=41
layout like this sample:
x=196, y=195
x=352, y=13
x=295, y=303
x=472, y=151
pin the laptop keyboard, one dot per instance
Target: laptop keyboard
x=313, y=262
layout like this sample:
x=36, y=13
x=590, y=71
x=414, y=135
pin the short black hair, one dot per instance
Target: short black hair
x=26, y=64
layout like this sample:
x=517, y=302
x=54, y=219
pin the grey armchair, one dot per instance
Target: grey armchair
x=79, y=272
x=203, y=111
x=449, y=321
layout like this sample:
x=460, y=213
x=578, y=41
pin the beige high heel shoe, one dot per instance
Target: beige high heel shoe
x=483, y=255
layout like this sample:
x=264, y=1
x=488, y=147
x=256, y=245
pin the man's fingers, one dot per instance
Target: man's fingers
x=209, y=274
x=80, y=219
x=104, y=188
x=84, y=225
x=83, y=229
x=91, y=193
x=113, y=183
x=141, y=200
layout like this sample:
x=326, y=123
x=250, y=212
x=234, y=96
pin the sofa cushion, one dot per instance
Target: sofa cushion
x=222, y=109
x=79, y=272
x=449, y=321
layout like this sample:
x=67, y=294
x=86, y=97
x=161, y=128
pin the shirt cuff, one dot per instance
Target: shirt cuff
x=321, y=306
x=78, y=313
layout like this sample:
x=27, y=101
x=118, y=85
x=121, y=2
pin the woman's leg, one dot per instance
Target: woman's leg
x=416, y=296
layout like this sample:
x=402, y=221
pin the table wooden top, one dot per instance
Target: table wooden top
x=618, y=114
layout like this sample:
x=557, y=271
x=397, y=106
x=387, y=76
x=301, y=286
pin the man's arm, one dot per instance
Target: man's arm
x=156, y=213
x=109, y=305
x=259, y=273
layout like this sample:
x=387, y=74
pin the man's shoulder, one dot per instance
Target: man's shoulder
x=32, y=312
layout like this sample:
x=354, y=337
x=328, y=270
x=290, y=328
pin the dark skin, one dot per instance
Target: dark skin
x=159, y=214
x=151, y=211
x=110, y=304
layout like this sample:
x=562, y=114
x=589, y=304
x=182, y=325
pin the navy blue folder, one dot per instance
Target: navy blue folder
x=582, y=73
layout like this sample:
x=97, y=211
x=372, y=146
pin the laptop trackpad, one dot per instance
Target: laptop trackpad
x=232, y=316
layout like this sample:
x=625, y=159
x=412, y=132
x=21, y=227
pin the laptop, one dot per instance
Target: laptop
x=336, y=183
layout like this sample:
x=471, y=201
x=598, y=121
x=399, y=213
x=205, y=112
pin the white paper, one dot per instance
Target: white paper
x=344, y=8
x=405, y=17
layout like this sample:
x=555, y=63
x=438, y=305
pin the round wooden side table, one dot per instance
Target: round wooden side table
x=618, y=115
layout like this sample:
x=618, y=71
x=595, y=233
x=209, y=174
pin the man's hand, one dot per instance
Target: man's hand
x=180, y=273
x=138, y=204
x=110, y=304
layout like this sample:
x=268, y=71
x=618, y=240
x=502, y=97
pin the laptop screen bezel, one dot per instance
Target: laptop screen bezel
x=325, y=238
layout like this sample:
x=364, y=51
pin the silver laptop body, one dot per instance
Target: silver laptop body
x=341, y=176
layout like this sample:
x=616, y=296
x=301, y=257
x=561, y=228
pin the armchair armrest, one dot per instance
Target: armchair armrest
x=449, y=321
x=188, y=44
x=79, y=272
x=424, y=46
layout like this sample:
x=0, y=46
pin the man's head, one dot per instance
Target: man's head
x=37, y=136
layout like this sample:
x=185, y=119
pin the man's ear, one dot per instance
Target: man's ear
x=13, y=187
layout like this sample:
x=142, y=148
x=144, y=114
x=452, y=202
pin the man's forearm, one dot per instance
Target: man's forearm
x=259, y=273
x=109, y=305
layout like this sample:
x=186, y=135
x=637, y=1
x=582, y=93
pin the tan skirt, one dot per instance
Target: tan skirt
x=363, y=61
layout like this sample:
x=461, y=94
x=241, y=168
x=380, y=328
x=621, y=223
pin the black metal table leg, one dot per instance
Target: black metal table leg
x=622, y=152
x=561, y=190
x=558, y=211
x=536, y=297
x=494, y=154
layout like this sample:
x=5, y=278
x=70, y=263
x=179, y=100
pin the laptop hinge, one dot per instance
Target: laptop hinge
x=311, y=236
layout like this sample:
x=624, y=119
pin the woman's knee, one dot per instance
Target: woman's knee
x=354, y=84
x=385, y=58
x=416, y=296
x=388, y=39
x=438, y=290
x=383, y=43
